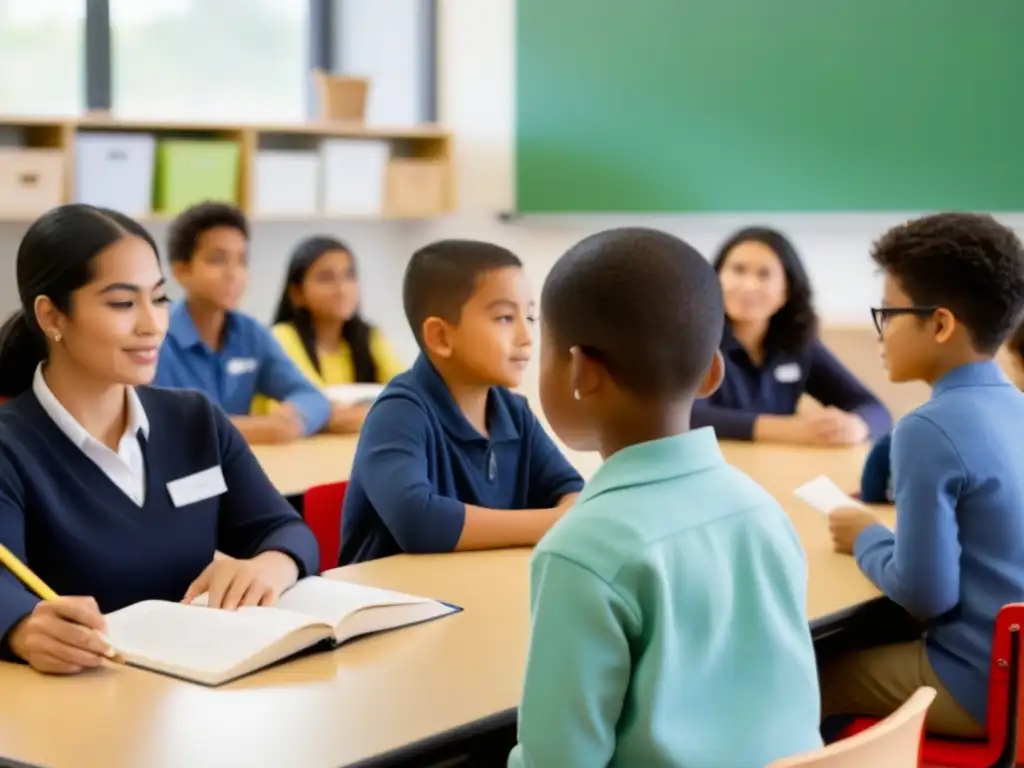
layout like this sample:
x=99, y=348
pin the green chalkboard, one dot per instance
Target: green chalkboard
x=769, y=105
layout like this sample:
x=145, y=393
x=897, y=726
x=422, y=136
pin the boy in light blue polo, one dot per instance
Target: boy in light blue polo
x=669, y=623
x=225, y=354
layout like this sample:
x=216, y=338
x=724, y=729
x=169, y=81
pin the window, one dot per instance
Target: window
x=41, y=57
x=228, y=60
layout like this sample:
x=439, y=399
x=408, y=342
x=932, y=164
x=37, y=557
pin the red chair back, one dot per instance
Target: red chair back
x=1005, y=712
x=321, y=507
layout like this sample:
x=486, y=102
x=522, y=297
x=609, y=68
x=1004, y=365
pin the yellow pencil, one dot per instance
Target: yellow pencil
x=37, y=585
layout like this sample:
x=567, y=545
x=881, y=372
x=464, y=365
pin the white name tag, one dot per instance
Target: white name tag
x=198, y=487
x=239, y=365
x=787, y=373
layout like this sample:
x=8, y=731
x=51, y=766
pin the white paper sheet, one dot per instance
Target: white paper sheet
x=824, y=495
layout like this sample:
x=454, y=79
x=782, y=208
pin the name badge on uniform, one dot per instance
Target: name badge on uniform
x=787, y=373
x=198, y=487
x=239, y=365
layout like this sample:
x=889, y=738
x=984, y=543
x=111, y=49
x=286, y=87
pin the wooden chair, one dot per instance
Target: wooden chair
x=894, y=742
x=321, y=507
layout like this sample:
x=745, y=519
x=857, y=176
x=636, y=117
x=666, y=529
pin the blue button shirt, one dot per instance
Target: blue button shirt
x=958, y=482
x=775, y=387
x=249, y=362
x=669, y=621
x=419, y=462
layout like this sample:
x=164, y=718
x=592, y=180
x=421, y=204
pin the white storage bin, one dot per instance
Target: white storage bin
x=355, y=172
x=115, y=170
x=287, y=182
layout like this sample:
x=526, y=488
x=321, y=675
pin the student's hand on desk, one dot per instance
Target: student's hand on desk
x=846, y=525
x=231, y=583
x=62, y=637
x=832, y=426
x=348, y=419
x=284, y=425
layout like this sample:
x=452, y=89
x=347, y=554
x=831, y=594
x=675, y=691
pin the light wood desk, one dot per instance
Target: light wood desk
x=374, y=696
x=298, y=466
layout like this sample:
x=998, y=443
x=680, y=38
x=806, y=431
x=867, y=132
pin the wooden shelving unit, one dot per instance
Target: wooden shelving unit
x=429, y=144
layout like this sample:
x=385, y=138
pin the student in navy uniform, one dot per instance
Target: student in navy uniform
x=226, y=354
x=773, y=355
x=669, y=605
x=953, y=289
x=110, y=491
x=448, y=458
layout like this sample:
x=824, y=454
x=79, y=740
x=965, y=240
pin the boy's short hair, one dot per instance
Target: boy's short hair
x=966, y=262
x=643, y=302
x=185, y=230
x=442, y=277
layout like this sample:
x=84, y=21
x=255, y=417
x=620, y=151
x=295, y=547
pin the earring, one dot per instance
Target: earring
x=576, y=395
x=57, y=337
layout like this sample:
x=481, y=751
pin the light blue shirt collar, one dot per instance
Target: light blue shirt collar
x=983, y=374
x=183, y=330
x=655, y=461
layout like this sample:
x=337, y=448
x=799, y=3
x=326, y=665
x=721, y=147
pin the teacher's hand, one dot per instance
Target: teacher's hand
x=231, y=583
x=62, y=637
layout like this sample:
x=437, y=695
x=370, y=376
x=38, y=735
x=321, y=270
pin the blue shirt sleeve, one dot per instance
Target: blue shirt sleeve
x=578, y=669
x=833, y=384
x=393, y=471
x=728, y=423
x=16, y=601
x=254, y=517
x=280, y=379
x=551, y=477
x=918, y=567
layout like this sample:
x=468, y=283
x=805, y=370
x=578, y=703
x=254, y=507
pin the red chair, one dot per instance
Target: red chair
x=1002, y=748
x=321, y=507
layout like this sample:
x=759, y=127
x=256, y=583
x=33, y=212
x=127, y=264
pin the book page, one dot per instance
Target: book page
x=196, y=638
x=331, y=601
x=824, y=495
x=352, y=394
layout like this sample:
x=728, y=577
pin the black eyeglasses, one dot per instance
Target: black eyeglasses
x=881, y=314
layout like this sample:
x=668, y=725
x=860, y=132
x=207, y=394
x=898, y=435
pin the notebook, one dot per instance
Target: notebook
x=825, y=496
x=212, y=647
x=353, y=394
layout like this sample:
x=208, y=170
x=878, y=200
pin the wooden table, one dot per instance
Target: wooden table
x=298, y=466
x=374, y=696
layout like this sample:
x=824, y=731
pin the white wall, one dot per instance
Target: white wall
x=476, y=79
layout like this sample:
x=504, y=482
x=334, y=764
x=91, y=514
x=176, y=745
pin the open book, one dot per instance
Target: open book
x=353, y=394
x=213, y=647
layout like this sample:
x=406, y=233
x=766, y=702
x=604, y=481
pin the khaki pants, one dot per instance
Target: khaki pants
x=876, y=681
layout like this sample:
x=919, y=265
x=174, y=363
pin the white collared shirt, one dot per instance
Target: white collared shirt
x=125, y=467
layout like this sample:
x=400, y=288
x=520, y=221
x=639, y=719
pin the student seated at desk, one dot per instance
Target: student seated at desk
x=448, y=458
x=111, y=491
x=876, y=476
x=214, y=348
x=773, y=355
x=953, y=288
x=319, y=327
x=669, y=623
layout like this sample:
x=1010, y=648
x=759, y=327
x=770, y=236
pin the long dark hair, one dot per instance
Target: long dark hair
x=55, y=259
x=795, y=324
x=355, y=331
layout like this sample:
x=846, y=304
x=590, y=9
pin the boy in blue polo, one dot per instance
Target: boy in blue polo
x=669, y=625
x=226, y=354
x=953, y=290
x=448, y=458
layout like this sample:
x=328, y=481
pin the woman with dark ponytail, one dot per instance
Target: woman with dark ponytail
x=319, y=326
x=112, y=491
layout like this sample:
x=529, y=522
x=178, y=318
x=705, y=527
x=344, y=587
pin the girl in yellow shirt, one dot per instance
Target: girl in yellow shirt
x=319, y=326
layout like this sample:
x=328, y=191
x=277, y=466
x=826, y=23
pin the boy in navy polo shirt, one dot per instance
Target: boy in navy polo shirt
x=953, y=290
x=226, y=354
x=448, y=458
